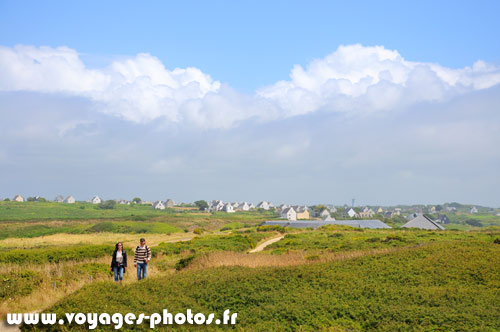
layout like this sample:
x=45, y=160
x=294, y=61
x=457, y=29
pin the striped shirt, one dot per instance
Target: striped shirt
x=141, y=254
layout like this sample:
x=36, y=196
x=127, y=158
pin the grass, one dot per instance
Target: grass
x=233, y=242
x=54, y=254
x=341, y=239
x=442, y=286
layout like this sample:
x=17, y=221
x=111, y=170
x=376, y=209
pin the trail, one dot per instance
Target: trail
x=264, y=244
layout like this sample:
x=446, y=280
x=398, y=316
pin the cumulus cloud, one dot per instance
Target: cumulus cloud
x=141, y=89
x=362, y=78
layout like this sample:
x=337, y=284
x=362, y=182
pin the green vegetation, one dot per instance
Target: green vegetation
x=202, y=205
x=18, y=283
x=438, y=287
x=338, y=238
x=232, y=242
x=54, y=254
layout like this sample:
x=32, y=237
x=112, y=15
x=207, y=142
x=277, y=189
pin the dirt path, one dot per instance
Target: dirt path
x=264, y=244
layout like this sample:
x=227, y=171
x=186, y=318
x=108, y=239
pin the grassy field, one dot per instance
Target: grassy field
x=442, y=286
x=334, y=278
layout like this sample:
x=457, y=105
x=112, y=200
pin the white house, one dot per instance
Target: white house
x=123, y=202
x=59, y=199
x=158, y=205
x=216, y=205
x=289, y=214
x=70, y=199
x=18, y=198
x=350, y=212
x=324, y=213
x=244, y=206
x=473, y=210
x=228, y=207
x=96, y=200
x=263, y=205
x=170, y=203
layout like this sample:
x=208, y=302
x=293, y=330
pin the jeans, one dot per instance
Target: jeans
x=118, y=272
x=142, y=269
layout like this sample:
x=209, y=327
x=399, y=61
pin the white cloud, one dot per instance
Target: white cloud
x=140, y=89
x=355, y=78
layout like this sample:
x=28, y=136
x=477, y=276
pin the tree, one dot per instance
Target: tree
x=474, y=222
x=31, y=199
x=439, y=208
x=107, y=205
x=202, y=205
x=319, y=208
x=137, y=200
x=7, y=200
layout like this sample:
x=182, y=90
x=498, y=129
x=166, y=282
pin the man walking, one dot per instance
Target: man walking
x=141, y=259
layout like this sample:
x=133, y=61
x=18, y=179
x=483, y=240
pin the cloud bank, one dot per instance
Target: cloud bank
x=353, y=79
x=361, y=122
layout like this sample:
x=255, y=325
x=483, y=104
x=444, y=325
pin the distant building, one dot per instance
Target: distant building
x=388, y=214
x=324, y=213
x=123, y=202
x=243, y=207
x=473, y=210
x=443, y=219
x=59, y=199
x=263, y=205
x=423, y=222
x=302, y=212
x=228, y=207
x=380, y=210
x=70, y=199
x=158, y=205
x=18, y=198
x=289, y=214
x=216, y=205
x=350, y=212
x=367, y=213
x=169, y=203
x=96, y=200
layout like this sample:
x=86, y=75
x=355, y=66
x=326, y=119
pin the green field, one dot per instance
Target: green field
x=442, y=286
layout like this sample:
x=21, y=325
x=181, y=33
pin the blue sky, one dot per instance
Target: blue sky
x=289, y=101
x=248, y=44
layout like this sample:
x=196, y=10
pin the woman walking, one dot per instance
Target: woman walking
x=119, y=262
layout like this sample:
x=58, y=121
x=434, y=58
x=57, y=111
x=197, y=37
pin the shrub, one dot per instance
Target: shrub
x=198, y=231
x=184, y=262
x=497, y=241
x=474, y=222
x=107, y=205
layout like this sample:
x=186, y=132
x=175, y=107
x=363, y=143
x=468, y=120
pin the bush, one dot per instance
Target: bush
x=474, y=222
x=184, y=262
x=198, y=231
x=107, y=205
x=497, y=241
x=55, y=254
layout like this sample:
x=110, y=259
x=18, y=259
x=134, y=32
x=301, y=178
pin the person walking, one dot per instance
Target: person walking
x=119, y=262
x=141, y=259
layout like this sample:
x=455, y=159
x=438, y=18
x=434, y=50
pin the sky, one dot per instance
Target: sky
x=286, y=101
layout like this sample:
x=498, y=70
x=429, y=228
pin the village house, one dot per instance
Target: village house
x=302, y=212
x=18, y=198
x=70, y=199
x=158, y=205
x=263, y=205
x=443, y=219
x=289, y=214
x=328, y=218
x=170, y=203
x=59, y=199
x=216, y=205
x=324, y=213
x=123, y=202
x=350, y=212
x=380, y=210
x=473, y=210
x=389, y=214
x=367, y=213
x=96, y=200
x=228, y=208
x=243, y=207
x=423, y=222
